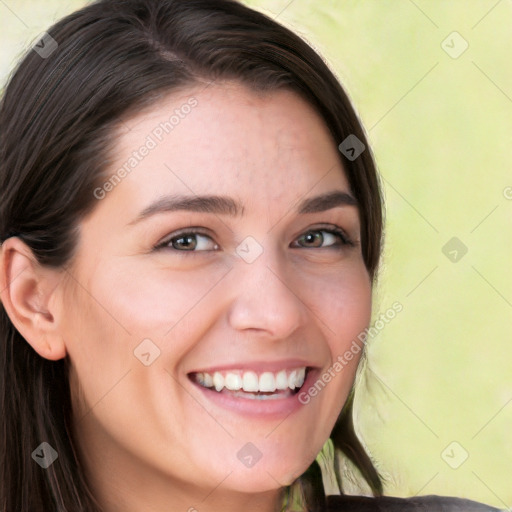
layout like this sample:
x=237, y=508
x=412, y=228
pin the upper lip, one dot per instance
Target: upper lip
x=258, y=366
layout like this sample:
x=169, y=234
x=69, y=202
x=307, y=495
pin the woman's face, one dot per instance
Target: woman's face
x=169, y=283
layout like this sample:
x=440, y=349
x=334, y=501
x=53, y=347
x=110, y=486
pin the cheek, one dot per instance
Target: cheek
x=343, y=305
x=106, y=323
x=342, y=302
x=98, y=346
x=155, y=300
x=109, y=319
x=351, y=314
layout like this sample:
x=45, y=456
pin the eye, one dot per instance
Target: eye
x=320, y=238
x=189, y=241
x=197, y=241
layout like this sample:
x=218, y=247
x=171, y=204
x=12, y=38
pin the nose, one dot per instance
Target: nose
x=265, y=297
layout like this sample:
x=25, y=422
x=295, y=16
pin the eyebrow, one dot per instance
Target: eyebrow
x=224, y=205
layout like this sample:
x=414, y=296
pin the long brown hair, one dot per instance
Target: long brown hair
x=110, y=60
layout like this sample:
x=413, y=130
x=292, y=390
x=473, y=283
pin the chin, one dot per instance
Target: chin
x=265, y=478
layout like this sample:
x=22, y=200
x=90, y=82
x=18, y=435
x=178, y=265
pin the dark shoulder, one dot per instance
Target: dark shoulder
x=429, y=503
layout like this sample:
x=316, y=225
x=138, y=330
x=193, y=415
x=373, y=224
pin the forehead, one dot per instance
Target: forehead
x=227, y=138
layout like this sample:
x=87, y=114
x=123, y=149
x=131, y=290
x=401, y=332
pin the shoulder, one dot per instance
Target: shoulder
x=429, y=503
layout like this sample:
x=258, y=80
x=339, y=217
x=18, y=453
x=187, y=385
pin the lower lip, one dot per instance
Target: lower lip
x=273, y=408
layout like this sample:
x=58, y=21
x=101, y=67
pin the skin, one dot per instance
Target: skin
x=150, y=439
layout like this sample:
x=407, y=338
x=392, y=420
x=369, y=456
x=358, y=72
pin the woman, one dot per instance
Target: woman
x=191, y=225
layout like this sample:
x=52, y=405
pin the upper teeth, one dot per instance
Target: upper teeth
x=251, y=382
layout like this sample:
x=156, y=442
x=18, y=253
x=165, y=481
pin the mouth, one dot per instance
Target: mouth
x=251, y=385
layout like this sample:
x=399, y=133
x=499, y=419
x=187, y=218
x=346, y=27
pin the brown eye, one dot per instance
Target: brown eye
x=320, y=238
x=190, y=241
x=313, y=238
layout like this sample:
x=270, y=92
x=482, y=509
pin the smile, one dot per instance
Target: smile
x=248, y=384
x=261, y=390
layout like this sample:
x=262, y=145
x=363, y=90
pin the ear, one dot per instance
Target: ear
x=30, y=296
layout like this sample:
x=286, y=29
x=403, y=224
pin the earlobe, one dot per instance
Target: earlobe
x=51, y=344
x=28, y=292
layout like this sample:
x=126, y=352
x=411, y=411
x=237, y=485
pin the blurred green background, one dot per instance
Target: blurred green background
x=432, y=82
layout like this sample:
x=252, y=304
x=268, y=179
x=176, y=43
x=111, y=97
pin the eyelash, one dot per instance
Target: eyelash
x=333, y=230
